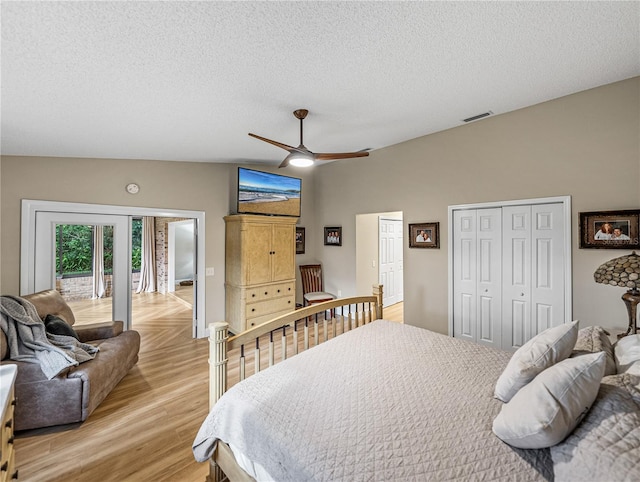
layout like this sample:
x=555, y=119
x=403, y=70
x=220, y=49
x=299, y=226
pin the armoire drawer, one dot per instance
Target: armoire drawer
x=268, y=292
x=261, y=308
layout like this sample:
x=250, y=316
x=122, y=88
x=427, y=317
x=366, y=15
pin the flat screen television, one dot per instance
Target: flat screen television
x=268, y=193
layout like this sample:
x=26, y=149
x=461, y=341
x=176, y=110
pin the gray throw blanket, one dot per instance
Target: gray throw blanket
x=29, y=342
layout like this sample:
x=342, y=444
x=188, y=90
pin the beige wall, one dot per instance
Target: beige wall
x=585, y=145
x=178, y=185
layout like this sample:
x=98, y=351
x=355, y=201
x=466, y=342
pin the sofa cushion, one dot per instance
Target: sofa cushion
x=50, y=302
x=57, y=326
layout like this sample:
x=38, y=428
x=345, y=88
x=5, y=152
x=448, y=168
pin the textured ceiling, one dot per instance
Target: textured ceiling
x=188, y=80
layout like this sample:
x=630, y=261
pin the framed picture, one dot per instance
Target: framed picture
x=333, y=236
x=610, y=229
x=424, y=235
x=299, y=240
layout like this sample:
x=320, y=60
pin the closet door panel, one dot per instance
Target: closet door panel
x=516, y=280
x=548, y=281
x=489, y=279
x=464, y=268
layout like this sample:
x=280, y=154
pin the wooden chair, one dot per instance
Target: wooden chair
x=312, y=287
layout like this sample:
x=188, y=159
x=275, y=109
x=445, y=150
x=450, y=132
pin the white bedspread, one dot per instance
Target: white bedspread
x=384, y=402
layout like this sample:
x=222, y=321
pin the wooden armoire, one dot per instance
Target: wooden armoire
x=260, y=269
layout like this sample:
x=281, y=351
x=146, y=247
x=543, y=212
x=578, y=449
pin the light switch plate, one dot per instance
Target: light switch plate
x=210, y=271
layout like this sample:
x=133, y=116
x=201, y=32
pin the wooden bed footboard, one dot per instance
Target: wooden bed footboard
x=246, y=353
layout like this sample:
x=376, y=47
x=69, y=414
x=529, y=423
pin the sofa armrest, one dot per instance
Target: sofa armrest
x=98, y=331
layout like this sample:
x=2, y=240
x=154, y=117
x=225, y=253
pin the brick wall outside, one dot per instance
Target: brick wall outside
x=81, y=287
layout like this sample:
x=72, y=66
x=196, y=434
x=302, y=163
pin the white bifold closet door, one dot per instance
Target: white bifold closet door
x=508, y=270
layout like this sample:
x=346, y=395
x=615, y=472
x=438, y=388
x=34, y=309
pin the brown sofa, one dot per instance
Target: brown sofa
x=71, y=396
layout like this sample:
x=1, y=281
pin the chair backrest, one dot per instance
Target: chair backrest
x=311, y=278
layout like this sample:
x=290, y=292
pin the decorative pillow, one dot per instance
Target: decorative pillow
x=540, y=352
x=627, y=352
x=57, y=326
x=606, y=445
x=545, y=411
x=593, y=339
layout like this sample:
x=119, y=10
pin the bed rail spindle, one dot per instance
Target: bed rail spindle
x=315, y=331
x=242, y=361
x=333, y=325
x=284, y=343
x=295, y=337
x=256, y=356
x=271, y=348
x=218, y=336
x=325, y=327
x=306, y=334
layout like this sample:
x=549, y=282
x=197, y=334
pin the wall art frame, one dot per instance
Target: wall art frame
x=333, y=235
x=424, y=235
x=300, y=240
x=610, y=229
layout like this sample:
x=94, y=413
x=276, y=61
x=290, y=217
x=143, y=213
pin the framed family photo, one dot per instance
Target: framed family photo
x=299, y=240
x=333, y=236
x=424, y=235
x=610, y=229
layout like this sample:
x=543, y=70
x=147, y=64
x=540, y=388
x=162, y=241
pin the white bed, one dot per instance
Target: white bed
x=386, y=401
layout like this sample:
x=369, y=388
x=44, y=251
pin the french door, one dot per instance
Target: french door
x=43, y=272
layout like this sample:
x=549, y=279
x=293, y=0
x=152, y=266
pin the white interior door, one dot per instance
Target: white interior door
x=516, y=278
x=390, y=260
x=43, y=275
x=489, y=255
x=547, y=267
x=464, y=274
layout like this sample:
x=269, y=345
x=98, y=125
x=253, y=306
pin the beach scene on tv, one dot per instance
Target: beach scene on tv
x=268, y=193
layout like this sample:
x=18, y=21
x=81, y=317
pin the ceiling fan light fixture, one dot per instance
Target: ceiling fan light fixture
x=300, y=160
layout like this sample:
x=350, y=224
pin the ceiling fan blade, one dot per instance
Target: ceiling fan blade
x=328, y=156
x=285, y=162
x=275, y=143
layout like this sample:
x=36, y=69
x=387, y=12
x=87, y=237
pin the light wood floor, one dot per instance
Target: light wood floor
x=144, y=429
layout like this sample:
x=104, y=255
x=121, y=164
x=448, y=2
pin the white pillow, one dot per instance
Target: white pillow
x=540, y=352
x=546, y=411
x=627, y=352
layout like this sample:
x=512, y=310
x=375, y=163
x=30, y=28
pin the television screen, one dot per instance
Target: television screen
x=268, y=193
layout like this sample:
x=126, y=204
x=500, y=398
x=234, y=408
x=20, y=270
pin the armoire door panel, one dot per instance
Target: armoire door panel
x=257, y=246
x=283, y=258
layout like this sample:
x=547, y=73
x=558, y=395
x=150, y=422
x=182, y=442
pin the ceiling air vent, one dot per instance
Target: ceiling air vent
x=476, y=117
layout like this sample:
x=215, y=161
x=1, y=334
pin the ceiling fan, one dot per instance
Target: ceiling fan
x=301, y=156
